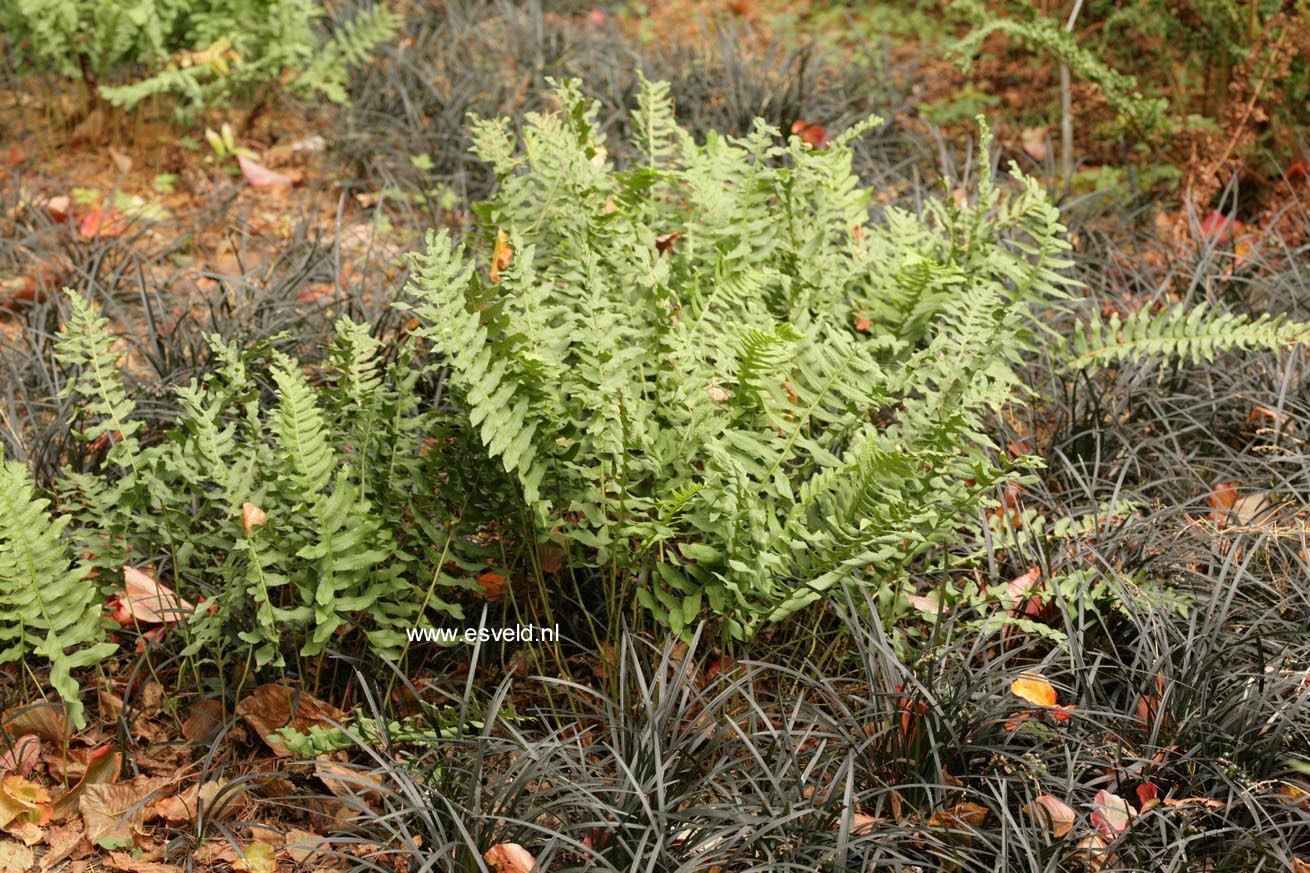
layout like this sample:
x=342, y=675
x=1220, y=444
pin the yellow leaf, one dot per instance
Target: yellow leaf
x=1034, y=689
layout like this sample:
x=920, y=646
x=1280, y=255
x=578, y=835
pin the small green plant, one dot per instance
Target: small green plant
x=202, y=53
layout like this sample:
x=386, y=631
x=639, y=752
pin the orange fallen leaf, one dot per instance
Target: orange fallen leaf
x=510, y=858
x=492, y=585
x=1221, y=500
x=104, y=223
x=962, y=815
x=251, y=516
x=501, y=255
x=811, y=134
x=23, y=803
x=1034, y=689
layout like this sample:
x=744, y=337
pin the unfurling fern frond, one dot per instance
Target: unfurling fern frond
x=48, y=606
x=1178, y=335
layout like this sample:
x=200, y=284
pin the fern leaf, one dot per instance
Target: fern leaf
x=1178, y=335
x=48, y=607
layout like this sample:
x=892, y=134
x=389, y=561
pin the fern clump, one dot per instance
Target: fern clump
x=303, y=511
x=203, y=53
x=714, y=374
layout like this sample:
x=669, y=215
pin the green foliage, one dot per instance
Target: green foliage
x=203, y=53
x=352, y=535
x=1147, y=116
x=1178, y=335
x=48, y=606
x=784, y=396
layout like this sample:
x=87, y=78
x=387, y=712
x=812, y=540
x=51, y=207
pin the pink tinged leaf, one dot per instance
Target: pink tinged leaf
x=1058, y=814
x=1148, y=795
x=1112, y=814
x=1021, y=587
x=1034, y=142
x=510, y=858
x=259, y=175
x=145, y=601
x=1220, y=227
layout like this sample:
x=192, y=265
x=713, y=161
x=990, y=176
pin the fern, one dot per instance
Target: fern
x=1147, y=116
x=48, y=606
x=701, y=415
x=205, y=52
x=1178, y=335
x=350, y=516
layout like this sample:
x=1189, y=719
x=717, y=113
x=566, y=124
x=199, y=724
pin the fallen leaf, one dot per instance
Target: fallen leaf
x=350, y=782
x=185, y=807
x=101, y=767
x=122, y=161
x=1221, y=500
x=811, y=134
x=15, y=857
x=145, y=601
x=962, y=815
x=1091, y=852
x=1111, y=814
x=260, y=176
x=273, y=706
x=203, y=720
x=303, y=845
x=509, y=858
x=1219, y=227
x=60, y=842
x=1034, y=142
x=501, y=255
x=863, y=825
x=1148, y=796
x=1057, y=814
x=22, y=756
x=104, y=223
x=256, y=858
x=717, y=393
x=114, y=812
x=251, y=516
x=131, y=864
x=24, y=802
x=664, y=242
x=1020, y=588
x=1034, y=689
x=492, y=585
x=59, y=208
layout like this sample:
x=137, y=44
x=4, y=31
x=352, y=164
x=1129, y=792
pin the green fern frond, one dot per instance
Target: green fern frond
x=48, y=606
x=1179, y=335
x=1121, y=90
